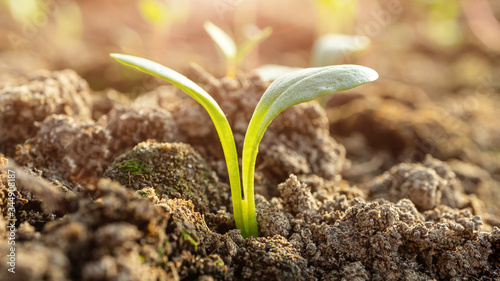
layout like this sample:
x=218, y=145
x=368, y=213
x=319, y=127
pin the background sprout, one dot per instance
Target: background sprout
x=330, y=47
x=326, y=50
x=162, y=14
x=234, y=55
x=22, y=10
x=443, y=21
x=288, y=90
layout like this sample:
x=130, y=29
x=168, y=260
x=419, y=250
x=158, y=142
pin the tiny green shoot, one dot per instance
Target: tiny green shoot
x=190, y=239
x=234, y=55
x=288, y=90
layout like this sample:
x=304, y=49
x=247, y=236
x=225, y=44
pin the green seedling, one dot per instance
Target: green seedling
x=326, y=50
x=288, y=90
x=234, y=55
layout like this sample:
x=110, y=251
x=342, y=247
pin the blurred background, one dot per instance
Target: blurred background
x=439, y=45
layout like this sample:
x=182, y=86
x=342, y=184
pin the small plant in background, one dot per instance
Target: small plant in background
x=443, y=21
x=22, y=10
x=233, y=54
x=161, y=15
x=33, y=15
x=288, y=90
x=326, y=50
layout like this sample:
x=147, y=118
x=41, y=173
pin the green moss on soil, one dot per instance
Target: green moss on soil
x=174, y=170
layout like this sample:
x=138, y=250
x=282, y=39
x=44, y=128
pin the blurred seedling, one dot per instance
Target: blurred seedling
x=234, y=55
x=290, y=89
x=443, y=24
x=161, y=15
x=326, y=50
x=33, y=15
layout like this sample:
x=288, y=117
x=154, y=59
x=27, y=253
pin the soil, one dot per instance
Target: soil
x=395, y=180
x=114, y=189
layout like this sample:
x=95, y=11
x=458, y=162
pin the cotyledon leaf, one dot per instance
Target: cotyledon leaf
x=216, y=114
x=288, y=90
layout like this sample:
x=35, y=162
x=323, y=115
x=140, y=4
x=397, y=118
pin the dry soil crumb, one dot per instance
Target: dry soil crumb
x=269, y=258
x=43, y=94
x=387, y=241
x=67, y=148
x=120, y=236
x=427, y=184
x=129, y=126
x=77, y=149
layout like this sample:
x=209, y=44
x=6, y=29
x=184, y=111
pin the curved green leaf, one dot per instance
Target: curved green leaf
x=288, y=90
x=215, y=112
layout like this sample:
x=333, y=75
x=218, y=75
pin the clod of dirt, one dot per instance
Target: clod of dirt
x=120, y=236
x=427, y=184
x=381, y=128
x=103, y=102
x=130, y=126
x=174, y=170
x=400, y=244
x=67, y=149
x=481, y=188
x=422, y=185
x=43, y=94
x=75, y=149
x=406, y=124
x=269, y=258
x=297, y=198
x=30, y=211
x=272, y=220
x=348, y=238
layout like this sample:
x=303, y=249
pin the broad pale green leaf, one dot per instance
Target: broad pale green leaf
x=291, y=89
x=311, y=83
x=222, y=39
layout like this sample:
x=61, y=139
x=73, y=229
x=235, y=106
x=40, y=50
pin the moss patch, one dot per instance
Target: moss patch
x=174, y=170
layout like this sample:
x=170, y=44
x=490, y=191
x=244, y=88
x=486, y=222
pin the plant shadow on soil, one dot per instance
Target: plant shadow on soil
x=115, y=189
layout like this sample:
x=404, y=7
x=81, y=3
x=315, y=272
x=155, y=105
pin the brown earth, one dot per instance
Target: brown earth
x=392, y=196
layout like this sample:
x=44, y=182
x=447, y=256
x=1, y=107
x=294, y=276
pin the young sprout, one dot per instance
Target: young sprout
x=326, y=50
x=234, y=55
x=330, y=47
x=288, y=90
